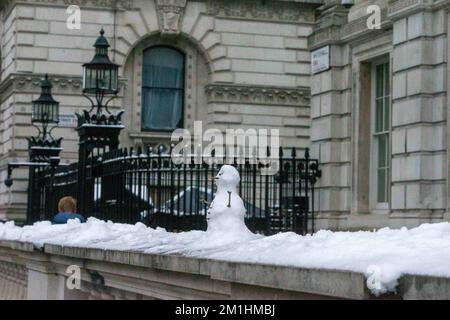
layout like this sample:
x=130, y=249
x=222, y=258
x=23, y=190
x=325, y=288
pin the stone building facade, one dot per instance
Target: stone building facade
x=245, y=64
x=376, y=117
x=380, y=114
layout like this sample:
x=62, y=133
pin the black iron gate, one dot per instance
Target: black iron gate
x=139, y=185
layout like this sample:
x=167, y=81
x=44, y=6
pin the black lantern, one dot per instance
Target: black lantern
x=100, y=76
x=45, y=108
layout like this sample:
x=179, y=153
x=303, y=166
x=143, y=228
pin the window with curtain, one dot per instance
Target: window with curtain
x=381, y=132
x=162, y=89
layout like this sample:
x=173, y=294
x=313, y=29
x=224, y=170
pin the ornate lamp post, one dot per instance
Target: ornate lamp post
x=43, y=149
x=45, y=110
x=97, y=127
x=100, y=78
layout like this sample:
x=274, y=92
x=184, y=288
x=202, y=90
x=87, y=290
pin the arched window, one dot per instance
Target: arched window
x=162, y=89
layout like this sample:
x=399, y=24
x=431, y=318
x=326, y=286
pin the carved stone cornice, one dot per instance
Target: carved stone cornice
x=329, y=23
x=400, y=8
x=254, y=10
x=358, y=27
x=170, y=15
x=119, y=4
x=399, y=5
x=111, y=4
x=355, y=30
x=31, y=83
x=324, y=36
x=258, y=95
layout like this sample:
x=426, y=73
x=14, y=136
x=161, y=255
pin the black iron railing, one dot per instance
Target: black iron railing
x=136, y=185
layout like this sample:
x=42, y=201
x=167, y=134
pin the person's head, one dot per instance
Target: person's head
x=67, y=205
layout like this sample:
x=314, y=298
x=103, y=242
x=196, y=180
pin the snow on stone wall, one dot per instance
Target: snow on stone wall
x=384, y=255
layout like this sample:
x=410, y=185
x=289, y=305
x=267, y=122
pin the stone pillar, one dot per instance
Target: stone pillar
x=43, y=282
x=419, y=111
x=330, y=120
x=447, y=195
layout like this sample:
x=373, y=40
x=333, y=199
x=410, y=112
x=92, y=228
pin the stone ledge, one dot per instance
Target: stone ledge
x=401, y=8
x=62, y=84
x=18, y=245
x=332, y=283
x=265, y=95
x=416, y=287
x=314, y=282
x=106, y=4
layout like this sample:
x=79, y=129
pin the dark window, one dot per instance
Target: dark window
x=382, y=131
x=162, y=89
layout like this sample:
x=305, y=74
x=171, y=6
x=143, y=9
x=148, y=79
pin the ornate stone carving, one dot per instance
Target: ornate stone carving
x=170, y=14
x=13, y=281
x=357, y=29
x=254, y=9
x=359, y=26
x=395, y=6
x=354, y=30
x=31, y=83
x=258, y=95
x=400, y=8
x=119, y=4
x=323, y=36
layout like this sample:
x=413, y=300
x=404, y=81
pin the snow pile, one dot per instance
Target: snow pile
x=383, y=255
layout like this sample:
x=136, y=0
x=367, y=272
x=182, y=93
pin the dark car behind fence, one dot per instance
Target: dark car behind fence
x=138, y=185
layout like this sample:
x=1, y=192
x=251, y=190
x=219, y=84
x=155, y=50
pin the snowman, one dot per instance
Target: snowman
x=226, y=213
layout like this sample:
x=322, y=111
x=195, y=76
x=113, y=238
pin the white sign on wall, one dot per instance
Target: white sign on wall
x=68, y=120
x=320, y=60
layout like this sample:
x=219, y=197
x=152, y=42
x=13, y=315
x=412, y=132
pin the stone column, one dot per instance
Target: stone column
x=43, y=282
x=330, y=120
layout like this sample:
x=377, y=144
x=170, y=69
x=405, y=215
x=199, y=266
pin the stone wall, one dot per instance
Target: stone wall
x=247, y=66
x=41, y=274
x=420, y=110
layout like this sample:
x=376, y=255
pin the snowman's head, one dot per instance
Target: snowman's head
x=228, y=177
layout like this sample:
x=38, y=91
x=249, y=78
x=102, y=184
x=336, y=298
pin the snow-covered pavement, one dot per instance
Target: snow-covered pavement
x=383, y=255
